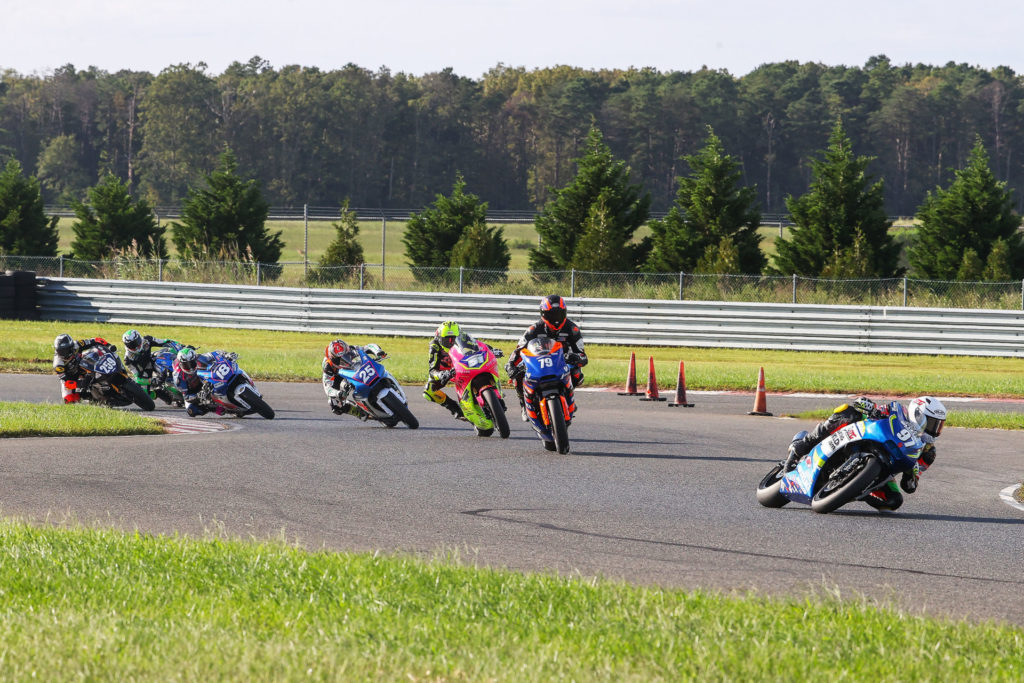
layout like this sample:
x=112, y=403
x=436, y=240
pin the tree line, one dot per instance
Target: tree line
x=395, y=140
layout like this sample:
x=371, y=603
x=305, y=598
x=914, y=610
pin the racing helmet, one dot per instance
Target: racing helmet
x=552, y=310
x=187, y=360
x=447, y=332
x=335, y=352
x=64, y=346
x=928, y=414
x=133, y=341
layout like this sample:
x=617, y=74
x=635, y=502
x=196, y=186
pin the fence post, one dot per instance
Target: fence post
x=60, y=268
x=904, y=292
x=460, y=279
x=794, y=287
x=258, y=264
x=1022, y=295
x=362, y=272
x=572, y=282
x=159, y=269
x=383, y=247
x=680, y=285
x=305, y=243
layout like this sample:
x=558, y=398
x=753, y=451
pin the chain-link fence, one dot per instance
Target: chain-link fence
x=680, y=286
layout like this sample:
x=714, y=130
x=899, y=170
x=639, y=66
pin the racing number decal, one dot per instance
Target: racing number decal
x=546, y=362
x=221, y=371
x=367, y=373
x=106, y=365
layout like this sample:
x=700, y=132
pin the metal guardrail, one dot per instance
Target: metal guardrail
x=803, y=327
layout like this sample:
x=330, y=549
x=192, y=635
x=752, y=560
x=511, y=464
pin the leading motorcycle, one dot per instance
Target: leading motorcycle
x=477, y=384
x=847, y=465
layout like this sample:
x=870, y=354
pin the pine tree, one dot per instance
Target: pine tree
x=972, y=213
x=853, y=262
x=971, y=266
x=484, y=251
x=344, y=250
x=721, y=259
x=601, y=248
x=226, y=219
x=997, y=265
x=25, y=230
x=563, y=220
x=711, y=205
x=111, y=222
x=841, y=201
x=431, y=234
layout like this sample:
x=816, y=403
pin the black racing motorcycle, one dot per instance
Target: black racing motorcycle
x=107, y=382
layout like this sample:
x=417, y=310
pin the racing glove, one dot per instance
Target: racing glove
x=445, y=376
x=573, y=358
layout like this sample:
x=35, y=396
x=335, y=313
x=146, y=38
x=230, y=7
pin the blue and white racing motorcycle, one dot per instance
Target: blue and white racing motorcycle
x=233, y=389
x=374, y=392
x=847, y=465
x=548, y=393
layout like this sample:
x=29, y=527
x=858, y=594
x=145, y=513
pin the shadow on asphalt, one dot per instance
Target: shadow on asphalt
x=660, y=456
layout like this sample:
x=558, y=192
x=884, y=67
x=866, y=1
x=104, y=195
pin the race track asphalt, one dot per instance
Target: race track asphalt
x=648, y=494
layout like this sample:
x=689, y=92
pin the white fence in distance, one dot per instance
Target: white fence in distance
x=802, y=327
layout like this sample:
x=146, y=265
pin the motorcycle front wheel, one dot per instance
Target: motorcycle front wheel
x=401, y=411
x=138, y=395
x=837, y=492
x=257, y=403
x=768, y=491
x=559, y=430
x=497, y=411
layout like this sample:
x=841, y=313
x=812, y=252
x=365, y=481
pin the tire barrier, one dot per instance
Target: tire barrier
x=19, y=299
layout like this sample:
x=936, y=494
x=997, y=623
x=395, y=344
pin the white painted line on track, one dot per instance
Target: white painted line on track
x=194, y=426
x=1007, y=496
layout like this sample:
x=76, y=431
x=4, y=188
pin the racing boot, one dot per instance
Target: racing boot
x=454, y=408
x=886, y=497
x=164, y=395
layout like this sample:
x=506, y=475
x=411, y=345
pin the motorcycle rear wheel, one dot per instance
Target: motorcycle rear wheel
x=768, y=491
x=833, y=495
x=257, y=403
x=497, y=411
x=401, y=411
x=559, y=430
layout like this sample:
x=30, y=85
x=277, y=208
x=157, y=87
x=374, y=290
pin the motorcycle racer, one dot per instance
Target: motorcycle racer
x=926, y=412
x=554, y=324
x=67, y=355
x=194, y=389
x=138, y=358
x=338, y=356
x=439, y=367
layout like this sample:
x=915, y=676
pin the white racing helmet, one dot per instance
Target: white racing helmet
x=929, y=414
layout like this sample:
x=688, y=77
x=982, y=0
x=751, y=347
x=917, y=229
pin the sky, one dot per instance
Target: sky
x=474, y=36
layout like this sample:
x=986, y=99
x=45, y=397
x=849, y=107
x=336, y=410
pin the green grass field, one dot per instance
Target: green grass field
x=95, y=604
x=34, y=419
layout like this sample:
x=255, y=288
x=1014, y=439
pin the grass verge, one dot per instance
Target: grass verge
x=295, y=356
x=103, y=605
x=970, y=419
x=41, y=419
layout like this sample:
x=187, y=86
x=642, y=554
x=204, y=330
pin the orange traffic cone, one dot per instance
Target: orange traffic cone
x=761, y=397
x=652, y=384
x=630, y=377
x=680, y=401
